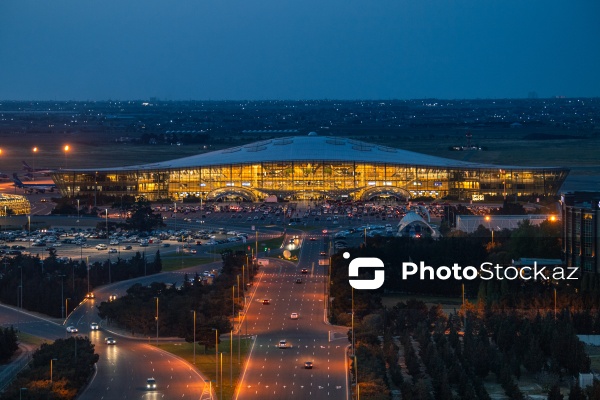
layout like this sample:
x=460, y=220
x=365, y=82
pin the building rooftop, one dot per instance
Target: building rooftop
x=311, y=148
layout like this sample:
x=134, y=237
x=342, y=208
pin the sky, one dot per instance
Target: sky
x=298, y=49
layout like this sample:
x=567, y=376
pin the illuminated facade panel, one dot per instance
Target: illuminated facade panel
x=312, y=167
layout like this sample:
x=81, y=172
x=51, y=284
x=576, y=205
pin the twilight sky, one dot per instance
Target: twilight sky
x=298, y=49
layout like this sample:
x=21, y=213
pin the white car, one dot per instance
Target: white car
x=294, y=315
x=94, y=326
x=101, y=247
x=282, y=344
x=110, y=340
x=72, y=329
x=150, y=383
x=112, y=250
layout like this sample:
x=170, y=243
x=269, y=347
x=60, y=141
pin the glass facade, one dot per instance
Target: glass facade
x=13, y=204
x=581, y=233
x=316, y=179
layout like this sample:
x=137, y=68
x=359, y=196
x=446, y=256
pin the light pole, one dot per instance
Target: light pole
x=239, y=329
x=35, y=149
x=67, y=307
x=51, y=360
x=62, y=295
x=156, y=320
x=21, y=393
x=66, y=148
x=231, y=357
x=87, y=266
x=194, y=342
x=221, y=376
x=554, y=304
x=21, y=286
x=107, y=240
x=216, y=356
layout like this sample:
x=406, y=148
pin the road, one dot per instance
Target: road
x=123, y=368
x=277, y=373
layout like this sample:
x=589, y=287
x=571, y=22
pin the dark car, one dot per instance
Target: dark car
x=299, y=280
x=304, y=271
x=308, y=364
x=266, y=301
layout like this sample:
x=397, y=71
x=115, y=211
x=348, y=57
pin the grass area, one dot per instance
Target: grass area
x=269, y=243
x=205, y=363
x=32, y=340
x=173, y=262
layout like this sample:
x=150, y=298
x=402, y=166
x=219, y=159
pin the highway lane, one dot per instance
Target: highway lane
x=124, y=367
x=44, y=327
x=279, y=373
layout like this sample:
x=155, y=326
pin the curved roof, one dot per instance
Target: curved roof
x=309, y=148
x=411, y=218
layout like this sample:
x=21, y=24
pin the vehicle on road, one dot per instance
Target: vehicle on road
x=150, y=383
x=101, y=246
x=294, y=315
x=112, y=297
x=266, y=301
x=90, y=295
x=112, y=250
x=308, y=364
x=282, y=344
x=72, y=329
x=110, y=340
x=94, y=326
x=127, y=248
x=299, y=280
x=304, y=271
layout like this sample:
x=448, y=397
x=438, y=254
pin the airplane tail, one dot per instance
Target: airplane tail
x=26, y=167
x=17, y=181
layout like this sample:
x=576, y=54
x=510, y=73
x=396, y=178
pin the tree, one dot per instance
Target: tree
x=8, y=343
x=554, y=393
x=143, y=218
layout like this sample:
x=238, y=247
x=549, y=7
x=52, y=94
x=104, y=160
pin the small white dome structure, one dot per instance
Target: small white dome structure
x=413, y=225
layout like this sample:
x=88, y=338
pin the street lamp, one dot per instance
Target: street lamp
x=62, y=295
x=194, y=342
x=51, y=360
x=156, y=320
x=35, y=149
x=216, y=356
x=21, y=286
x=66, y=149
x=67, y=307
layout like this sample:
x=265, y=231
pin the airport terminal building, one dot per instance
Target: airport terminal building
x=312, y=167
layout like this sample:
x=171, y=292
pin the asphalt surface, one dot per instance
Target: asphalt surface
x=279, y=373
x=124, y=367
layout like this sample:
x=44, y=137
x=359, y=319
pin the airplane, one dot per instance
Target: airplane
x=33, y=187
x=35, y=171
